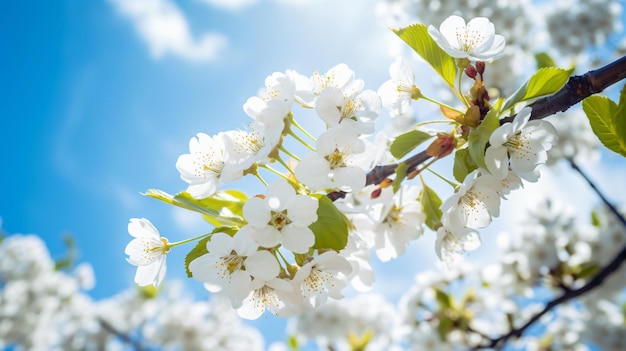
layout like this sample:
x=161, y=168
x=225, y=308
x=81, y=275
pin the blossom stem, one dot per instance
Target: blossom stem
x=282, y=148
x=441, y=103
x=453, y=184
x=199, y=237
x=295, y=136
x=280, y=174
x=259, y=177
x=285, y=164
x=459, y=93
x=282, y=257
x=295, y=124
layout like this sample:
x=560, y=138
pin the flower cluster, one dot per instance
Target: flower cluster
x=43, y=308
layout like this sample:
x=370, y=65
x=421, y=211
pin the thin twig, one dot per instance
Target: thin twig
x=569, y=294
x=125, y=338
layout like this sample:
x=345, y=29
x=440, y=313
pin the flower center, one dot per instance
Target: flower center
x=316, y=281
x=468, y=39
x=232, y=262
x=279, y=219
x=206, y=162
x=336, y=159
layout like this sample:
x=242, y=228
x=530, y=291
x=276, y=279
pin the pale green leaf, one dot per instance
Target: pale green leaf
x=417, y=37
x=407, y=142
x=545, y=81
x=620, y=115
x=463, y=164
x=199, y=250
x=224, y=208
x=479, y=138
x=430, y=206
x=332, y=226
x=400, y=175
x=601, y=112
x=544, y=60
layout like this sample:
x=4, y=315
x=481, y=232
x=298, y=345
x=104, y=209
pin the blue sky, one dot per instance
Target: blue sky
x=97, y=105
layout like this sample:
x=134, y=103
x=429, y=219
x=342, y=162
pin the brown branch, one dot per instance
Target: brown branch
x=125, y=338
x=569, y=294
x=574, y=91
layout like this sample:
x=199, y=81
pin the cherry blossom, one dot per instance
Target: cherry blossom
x=451, y=245
x=321, y=278
x=281, y=218
x=335, y=164
x=522, y=144
x=202, y=167
x=475, y=40
x=147, y=251
x=398, y=92
x=473, y=204
x=231, y=263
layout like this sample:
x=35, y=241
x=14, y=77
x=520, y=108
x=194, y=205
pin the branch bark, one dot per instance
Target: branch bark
x=574, y=91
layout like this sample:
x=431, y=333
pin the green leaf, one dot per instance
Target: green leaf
x=443, y=299
x=595, y=219
x=400, y=175
x=479, y=138
x=463, y=164
x=430, y=206
x=70, y=256
x=332, y=226
x=407, y=142
x=199, y=250
x=602, y=115
x=544, y=60
x=417, y=37
x=224, y=208
x=445, y=326
x=545, y=81
x=620, y=115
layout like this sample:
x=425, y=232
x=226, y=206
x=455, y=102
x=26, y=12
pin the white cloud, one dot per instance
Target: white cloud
x=164, y=28
x=232, y=5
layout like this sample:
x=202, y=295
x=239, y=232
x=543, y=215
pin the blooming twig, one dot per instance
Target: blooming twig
x=576, y=89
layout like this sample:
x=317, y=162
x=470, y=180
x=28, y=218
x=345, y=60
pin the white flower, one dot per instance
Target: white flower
x=398, y=92
x=231, y=263
x=473, y=204
x=475, y=41
x=335, y=163
x=273, y=102
x=450, y=246
x=267, y=294
x=247, y=148
x=321, y=278
x=402, y=221
x=356, y=107
x=282, y=217
x=523, y=144
x=202, y=167
x=147, y=251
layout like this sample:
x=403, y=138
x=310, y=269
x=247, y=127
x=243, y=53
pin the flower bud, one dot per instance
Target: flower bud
x=480, y=67
x=442, y=146
x=470, y=71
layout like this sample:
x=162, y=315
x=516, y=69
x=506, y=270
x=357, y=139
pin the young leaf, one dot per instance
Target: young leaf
x=400, y=175
x=544, y=60
x=405, y=143
x=602, y=115
x=332, y=226
x=430, y=206
x=224, y=208
x=620, y=114
x=479, y=138
x=545, y=81
x=199, y=250
x=463, y=164
x=417, y=37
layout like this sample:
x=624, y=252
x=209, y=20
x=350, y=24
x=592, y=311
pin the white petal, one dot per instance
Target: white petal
x=256, y=212
x=143, y=228
x=298, y=240
x=262, y=265
x=220, y=244
x=280, y=195
x=304, y=211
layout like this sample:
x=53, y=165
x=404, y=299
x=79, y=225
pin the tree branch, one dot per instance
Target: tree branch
x=574, y=91
x=569, y=294
x=125, y=338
